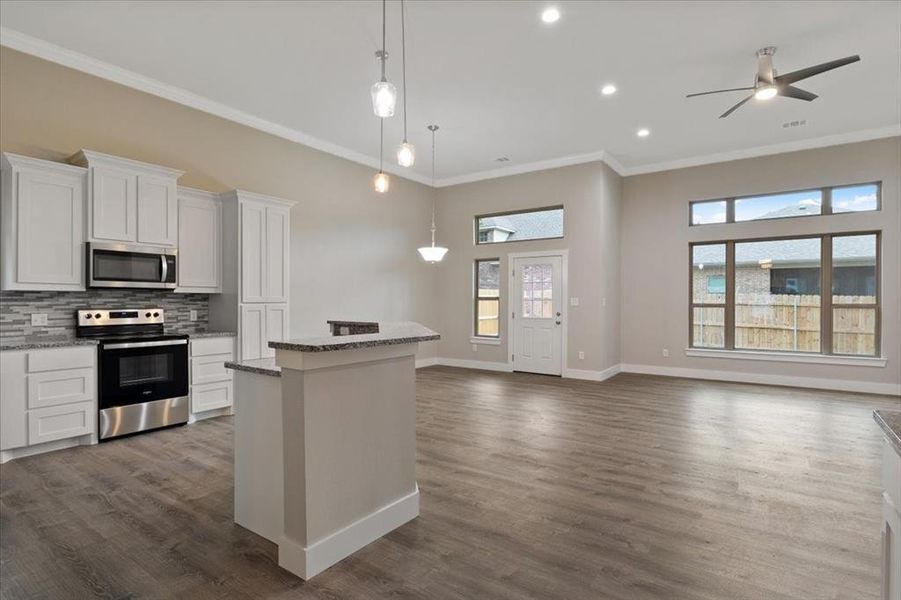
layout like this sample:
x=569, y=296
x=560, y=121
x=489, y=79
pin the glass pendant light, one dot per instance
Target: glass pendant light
x=433, y=253
x=381, y=182
x=384, y=94
x=406, y=153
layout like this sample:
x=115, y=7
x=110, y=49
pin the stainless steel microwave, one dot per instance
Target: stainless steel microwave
x=131, y=266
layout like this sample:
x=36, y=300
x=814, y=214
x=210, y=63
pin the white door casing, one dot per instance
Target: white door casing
x=536, y=305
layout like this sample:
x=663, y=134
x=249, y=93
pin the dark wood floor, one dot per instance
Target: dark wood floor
x=532, y=487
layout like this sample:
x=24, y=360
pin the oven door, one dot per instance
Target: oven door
x=125, y=265
x=138, y=372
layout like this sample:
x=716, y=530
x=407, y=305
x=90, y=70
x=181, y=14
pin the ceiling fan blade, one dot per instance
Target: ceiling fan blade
x=719, y=91
x=736, y=107
x=790, y=78
x=792, y=92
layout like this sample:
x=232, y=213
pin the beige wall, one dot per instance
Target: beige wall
x=590, y=195
x=353, y=252
x=655, y=238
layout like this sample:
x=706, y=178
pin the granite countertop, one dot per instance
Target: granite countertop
x=890, y=422
x=34, y=342
x=209, y=334
x=404, y=332
x=260, y=366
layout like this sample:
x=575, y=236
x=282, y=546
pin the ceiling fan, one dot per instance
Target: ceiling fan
x=768, y=84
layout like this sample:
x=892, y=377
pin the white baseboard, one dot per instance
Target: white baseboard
x=592, y=375
x=482, y=365
x=821, y=383
x=210, y=414
x=426, y=362
x=305, y=562
x=14, y=453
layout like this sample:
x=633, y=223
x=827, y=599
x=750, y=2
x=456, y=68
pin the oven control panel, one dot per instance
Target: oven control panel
x=144, y=316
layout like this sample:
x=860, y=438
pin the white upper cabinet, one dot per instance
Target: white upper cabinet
x=130, y=201
x=42, y=224
x=265, y=248
x=276, y=326
x=199, y=241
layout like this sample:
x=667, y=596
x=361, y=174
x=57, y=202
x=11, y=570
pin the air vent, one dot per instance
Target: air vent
x=502, y=159
x=789, y=124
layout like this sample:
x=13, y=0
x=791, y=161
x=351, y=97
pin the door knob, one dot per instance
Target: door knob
x=558, y=314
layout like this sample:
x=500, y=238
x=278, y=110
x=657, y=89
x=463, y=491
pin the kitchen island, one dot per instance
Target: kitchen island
x=890, y=423
x=347, y=443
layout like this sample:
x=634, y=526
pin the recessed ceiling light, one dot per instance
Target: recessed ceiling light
x=643, y=132
x=550, y=15
x=608, y=89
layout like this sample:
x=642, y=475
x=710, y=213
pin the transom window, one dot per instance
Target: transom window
x=816, y=294
x=804, y=203
x=518, y=226
x=487, y=297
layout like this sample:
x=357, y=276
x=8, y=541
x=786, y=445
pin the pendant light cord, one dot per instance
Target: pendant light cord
x=433, y=129
x=384, y=56
x=403, y=61
x=381, y=141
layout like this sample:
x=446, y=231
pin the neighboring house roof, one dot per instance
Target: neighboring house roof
x=848, y=251
x=489, y=276
x=801, y=209
x=543, y=224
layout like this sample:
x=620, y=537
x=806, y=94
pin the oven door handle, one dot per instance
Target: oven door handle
x=165, y=268
x=144, y=344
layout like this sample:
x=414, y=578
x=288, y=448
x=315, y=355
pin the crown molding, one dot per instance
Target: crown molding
x=810, y=144
x=98, y=68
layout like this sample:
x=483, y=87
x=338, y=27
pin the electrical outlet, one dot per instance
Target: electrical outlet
x=38, y=318
x=666, y=353
x=193, y=316
x=475, y=347
x=574, y=302
x=603, y=302
x=581, y=355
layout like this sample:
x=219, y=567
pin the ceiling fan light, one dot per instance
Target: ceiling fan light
x=406, y=154
x=766, y=92
x=432, y=254
x=384, y=98
x=380, y=182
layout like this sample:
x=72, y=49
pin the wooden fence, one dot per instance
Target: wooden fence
x=788, y=322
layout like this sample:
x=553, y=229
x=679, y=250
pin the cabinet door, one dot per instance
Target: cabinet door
x=253, y=252
x=157, y=211
x=13, y=398
x=61, y=422
x=276, y=326
x=253, y=331
x=211, y=396
x=114, y=205
x=199, y=253
x=49, y=218
x=278, y=228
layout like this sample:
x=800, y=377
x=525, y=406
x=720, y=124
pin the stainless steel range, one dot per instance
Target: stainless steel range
x=143, y=372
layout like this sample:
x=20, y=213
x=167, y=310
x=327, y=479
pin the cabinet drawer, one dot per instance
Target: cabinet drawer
x=61, y=358
x=60, y=422
x=210, y=396
x=209, y=369
x=52, y=388
x=207, y=346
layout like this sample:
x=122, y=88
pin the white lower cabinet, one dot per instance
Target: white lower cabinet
x=260, y=324
x=891, y=522
x=47, y=395
x=211, y=382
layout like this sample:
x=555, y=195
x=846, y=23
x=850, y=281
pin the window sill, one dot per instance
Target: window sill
x=822, y=359
x=485, y=340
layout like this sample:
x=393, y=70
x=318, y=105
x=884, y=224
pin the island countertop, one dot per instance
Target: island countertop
x=390, y=333
x=890, y=422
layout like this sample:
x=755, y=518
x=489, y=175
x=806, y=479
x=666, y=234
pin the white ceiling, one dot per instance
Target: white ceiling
x=497, y=80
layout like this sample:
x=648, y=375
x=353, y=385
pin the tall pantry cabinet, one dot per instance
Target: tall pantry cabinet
x=256, y=253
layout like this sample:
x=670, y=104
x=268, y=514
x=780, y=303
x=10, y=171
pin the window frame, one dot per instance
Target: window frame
x=476, y=298
x=521, y=211
x=825, y=207
x=826, y=303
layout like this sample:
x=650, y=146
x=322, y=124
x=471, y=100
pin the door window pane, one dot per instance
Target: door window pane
x=708, y=327
x=708, y=270
x=537, y=291
x=487, y=302
x=855, y=198
x=777, y=295
x=794, y=204
x=703, y=213
x=854, y=331
x=854, y=269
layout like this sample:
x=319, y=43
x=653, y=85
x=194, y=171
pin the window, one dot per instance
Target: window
x=821, y=201
x=487, y=297
x=817, y=294
x=540, y=224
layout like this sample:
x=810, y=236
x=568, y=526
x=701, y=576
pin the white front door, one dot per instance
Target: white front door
x=537, y=307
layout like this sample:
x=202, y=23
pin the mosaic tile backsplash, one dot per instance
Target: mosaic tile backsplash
x=16, y=309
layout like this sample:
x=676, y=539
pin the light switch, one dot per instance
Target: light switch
x=574, y=302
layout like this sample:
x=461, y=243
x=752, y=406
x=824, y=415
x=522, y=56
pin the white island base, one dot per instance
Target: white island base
x=348, y=448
